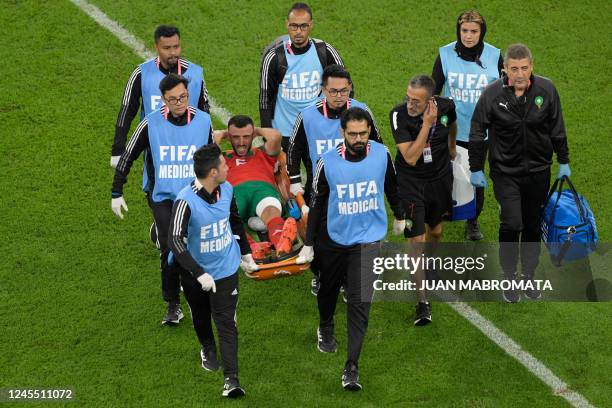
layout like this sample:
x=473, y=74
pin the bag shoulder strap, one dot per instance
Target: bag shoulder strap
x=321, y=48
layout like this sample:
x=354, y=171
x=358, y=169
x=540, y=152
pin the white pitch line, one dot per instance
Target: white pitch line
x=138, y=47
x=535, y=366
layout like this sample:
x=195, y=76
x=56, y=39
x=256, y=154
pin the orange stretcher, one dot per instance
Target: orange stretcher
x=272, y=266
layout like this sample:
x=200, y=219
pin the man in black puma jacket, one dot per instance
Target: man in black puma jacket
x=521, y=113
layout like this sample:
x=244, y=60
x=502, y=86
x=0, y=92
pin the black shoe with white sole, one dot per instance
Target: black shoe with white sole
x=326, y=342
x=174, y=314
x=208, y=355
x=350, y=377
x=232, y=388
x=423, y=314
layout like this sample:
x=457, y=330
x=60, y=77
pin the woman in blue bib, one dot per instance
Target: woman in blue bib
x=462, y=70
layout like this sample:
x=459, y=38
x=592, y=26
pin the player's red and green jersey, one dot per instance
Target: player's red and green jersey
x=255, y=166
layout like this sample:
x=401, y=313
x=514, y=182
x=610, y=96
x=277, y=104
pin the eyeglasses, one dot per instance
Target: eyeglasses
x=361, y=135
x=175, y=101
x=413, y=102
x=335, y=92
x=295, y=27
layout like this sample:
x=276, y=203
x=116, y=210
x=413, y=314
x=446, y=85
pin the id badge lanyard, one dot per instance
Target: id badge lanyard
x=348, y=105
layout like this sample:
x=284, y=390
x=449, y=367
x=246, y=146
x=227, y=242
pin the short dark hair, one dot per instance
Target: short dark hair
x=170, y=81
x=165, y=31
x=240, y=121
x=205, y=159
x=336, y=71
x=355, y=114
x=300, y=6
x=423, y=81
x=517, y=52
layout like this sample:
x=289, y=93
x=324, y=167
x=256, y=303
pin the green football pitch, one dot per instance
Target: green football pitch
x=79, y=288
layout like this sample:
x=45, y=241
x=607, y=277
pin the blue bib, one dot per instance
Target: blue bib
x=150, y=77
x=322, y=134
x=300, y=88
x=465, y=81
x=172, y=149
x=356, y=211
x=210, y=239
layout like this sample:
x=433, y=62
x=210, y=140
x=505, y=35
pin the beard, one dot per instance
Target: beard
x=358, y=148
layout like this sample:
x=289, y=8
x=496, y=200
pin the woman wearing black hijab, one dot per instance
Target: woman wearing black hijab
x=462, y=70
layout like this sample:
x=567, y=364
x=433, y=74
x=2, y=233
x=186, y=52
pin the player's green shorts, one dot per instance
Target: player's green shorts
x=249, y=194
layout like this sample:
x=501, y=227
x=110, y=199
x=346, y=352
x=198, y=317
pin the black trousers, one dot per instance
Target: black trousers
x=480, y=191
x=170, y=281
x=344, y=266
x=221, y=306
x=521, y=200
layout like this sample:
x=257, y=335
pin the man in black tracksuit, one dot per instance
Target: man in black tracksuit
x=176, y=120
x=291, y=73
x=522, y=114
x=346, y=222
x=209, y=242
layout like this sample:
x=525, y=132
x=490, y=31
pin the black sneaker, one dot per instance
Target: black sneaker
x=423, y=314
x=350, y=377
x=209, y=358
x=472, y=231
x=314, y=286
x=232, y=388
x=511, y=296
x=153, y=235
x=532, y=293
x=174, y=314
x=326, y=342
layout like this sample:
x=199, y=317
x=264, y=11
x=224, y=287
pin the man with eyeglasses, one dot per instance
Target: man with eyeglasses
x=424, y=128
x=291, y=73
x=317, y=130
x=169, y=136
x=347, y=220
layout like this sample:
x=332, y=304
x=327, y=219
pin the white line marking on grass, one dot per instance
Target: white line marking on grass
x=138, y=47
x=535, y=366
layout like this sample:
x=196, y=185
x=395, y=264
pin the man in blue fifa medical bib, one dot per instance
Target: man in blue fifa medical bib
x=169, y=136
x=142, y=88
x=204, y=226
x=291, y=73
x=346, y=222
x=317, y=130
